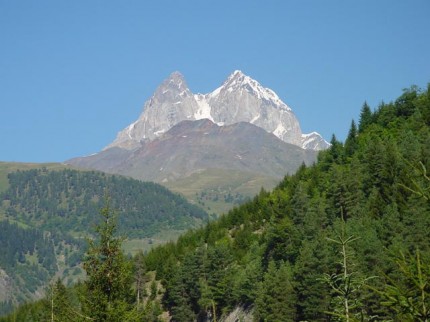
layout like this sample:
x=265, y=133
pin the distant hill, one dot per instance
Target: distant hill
x=69, y=201
x=8, y=167
x=46, y=215
x=218, y=191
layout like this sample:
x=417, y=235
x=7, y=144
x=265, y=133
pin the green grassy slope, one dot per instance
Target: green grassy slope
x=217, y=190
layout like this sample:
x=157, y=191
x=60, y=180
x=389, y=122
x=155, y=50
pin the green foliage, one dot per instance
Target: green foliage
x=27, y=257
x=365, y=117
x=276, y=297
x=68, y=201
x=409, y=296
x=107, y=294
x=151, y=312
x=377, y=181
x=58, y=305
x=346, y=283
x=271, y=254
x=351, y=142
x=48, y=212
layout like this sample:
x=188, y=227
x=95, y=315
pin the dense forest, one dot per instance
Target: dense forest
x=69, y=201
x=346, y=239
x=28, y=258
x=47, y=214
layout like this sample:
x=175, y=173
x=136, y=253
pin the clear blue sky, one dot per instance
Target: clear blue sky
x=74, y=73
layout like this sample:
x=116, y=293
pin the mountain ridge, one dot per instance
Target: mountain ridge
x=239, y=99
x=190, y=146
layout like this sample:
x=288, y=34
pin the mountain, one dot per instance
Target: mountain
x=239, y=99
x=314, y=141
x=241, y=130
x=194, y=146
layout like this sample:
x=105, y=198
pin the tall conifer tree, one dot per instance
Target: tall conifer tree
x=108, y=287
x=365, y=117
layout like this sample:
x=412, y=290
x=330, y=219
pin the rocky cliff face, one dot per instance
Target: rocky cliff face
x=242, y=99
x=171, y=103
x=239, y=99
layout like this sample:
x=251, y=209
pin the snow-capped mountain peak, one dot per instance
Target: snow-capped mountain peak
x=314, y=141
x=239, y=99
x=238, y=81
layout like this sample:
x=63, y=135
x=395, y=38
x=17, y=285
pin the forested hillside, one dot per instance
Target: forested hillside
x=28, y=261
x=69, y=201
x=47, y=216
x=346, y=239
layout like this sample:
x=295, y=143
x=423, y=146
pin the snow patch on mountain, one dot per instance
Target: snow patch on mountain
x=279, y=131
x=314, y=141
x=239, y=81
x=255, y=118
x=204, y=111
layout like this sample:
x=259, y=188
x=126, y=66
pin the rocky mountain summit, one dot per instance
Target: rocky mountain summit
x=234, y=140
x=239, y=99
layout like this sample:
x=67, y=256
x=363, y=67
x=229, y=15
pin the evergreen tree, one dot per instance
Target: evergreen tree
x=108, y=286
x=336, y=150
x=351, y=143
x=139, y=277
x=409, y=297
x=313, y=295
x=346, y=283
x=58, y=305
x=206, y=301
x=276, y=296
x=248, y=276
x=365, y=117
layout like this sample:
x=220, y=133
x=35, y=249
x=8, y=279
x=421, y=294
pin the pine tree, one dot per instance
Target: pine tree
x=365, y=117
x=351, y=143
x=409, y=298
x=108, y=284
x=57, y=304
x=140, y=277
x=276, y=296
x=206, y=301
x=313, y=295
x=346, y=284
